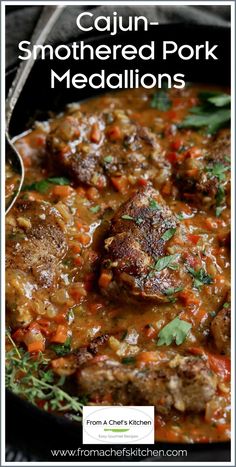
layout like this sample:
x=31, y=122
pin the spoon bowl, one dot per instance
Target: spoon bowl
x=14, y=165
x=14, y=162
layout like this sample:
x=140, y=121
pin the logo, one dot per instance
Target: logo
x=118, y=425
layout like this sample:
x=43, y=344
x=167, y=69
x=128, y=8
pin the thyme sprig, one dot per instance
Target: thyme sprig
x=32, y=379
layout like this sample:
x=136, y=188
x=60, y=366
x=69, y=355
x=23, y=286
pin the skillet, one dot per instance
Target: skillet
x=28, y=428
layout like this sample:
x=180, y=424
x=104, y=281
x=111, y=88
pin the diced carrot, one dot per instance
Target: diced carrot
x=192, y=172
x=172, y=157
x=79, y=225
x=92, y=193
x=200, y=315
x=176, y=144
x=121, y=184
x=114, y=133
x=194, y=238
x=95, y=135
x=36, y=346
x=166, y=189
x=171, y=115
x=44, y=325
x=18, y=335
x=142, y=182
x=78, y=291
x=62, y=190
x=105, y=279
x=221, y=428
x=210, y=223
x=60, y=335
x=95, y=307
x=188, y=297
x=80, y=191
x=148, y=357
x=78, y=260
x=220, y=365
x=100, y=358
x=84, y=238
x=40, y=140
x=76, y=248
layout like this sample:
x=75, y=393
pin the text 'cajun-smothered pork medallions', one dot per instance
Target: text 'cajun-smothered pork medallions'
x=136, y=250
x=92, y=148
x=35, y=245
x=185, y=383
x=206, y=175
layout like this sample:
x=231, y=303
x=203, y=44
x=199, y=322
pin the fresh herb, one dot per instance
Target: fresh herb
x=171, y=293
x=59, y=180
x=95, y=209
x=165, y=262
x=168, y=234
x=153, y=205
x=108, y=159
x=219, y=210
x=226, y=305
x=137, y=220
x=128, y=360
x=62, y=349
x=37, y=383
x=200, y=277
x=180, y=216
x=126, y=217
x=43, y=185
x=161, y=101
x=175, y=331
x=220, y=195
x=217, y=170
x=212, y=113
x=173, y=290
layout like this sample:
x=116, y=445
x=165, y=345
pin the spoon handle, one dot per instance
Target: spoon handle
x=44, y=25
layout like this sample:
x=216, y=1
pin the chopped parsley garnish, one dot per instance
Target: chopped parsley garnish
x=168, y=234
x=161, y=101
x=173, y=290
x=128, y=360
x=95, y=209
x=175, y=331
x=180, y=216
x=200, y=277
x=137, y=220
x=226, y=305
x=62, y=349
x=166, y=262
x=153, y=205
x=108, y=159
x=212, y=113
x=43, y=185
x=217, y=170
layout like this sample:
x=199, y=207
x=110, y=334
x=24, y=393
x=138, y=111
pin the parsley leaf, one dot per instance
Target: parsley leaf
x=200, y=277
x=217, y=170
x=168, y=234
x=153, y=205
x=137, y=220
x=62, y=349
x=95, y=209
x=165, y=262
x=161, y=101
x=126, y=217
x=212, y=113
x=58, y=180
x=43, y=185
x=175, y=331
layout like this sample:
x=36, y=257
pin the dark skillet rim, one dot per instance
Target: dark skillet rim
x=62, y=420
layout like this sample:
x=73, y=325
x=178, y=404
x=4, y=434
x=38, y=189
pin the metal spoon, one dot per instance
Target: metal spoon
x=44, y=25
